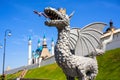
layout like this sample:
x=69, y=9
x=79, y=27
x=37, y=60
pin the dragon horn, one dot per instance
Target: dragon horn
x=71, y=14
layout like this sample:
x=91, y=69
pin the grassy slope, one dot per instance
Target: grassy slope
x=109, y=68
x=109, y=65
x=51, y=71
x=15, y=75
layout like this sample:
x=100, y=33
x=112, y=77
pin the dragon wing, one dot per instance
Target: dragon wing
x=85, y=41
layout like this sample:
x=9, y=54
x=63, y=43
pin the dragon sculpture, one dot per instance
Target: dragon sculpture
x=76, y=49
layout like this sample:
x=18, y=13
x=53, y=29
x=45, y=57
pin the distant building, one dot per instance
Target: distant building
x=116, y=37
x=42, y=52
x=110, y=27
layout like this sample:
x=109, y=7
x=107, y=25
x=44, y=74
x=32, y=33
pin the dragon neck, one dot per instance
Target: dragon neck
x=62, y=46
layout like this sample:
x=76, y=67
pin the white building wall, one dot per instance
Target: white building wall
x=116, y=41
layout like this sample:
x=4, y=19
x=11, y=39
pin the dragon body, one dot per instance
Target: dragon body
x=72, y=65
x=74, y=44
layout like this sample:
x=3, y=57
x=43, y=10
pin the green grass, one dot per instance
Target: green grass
x=48, y=72
x=109, y=68
x=12, y=76
x=109, y=65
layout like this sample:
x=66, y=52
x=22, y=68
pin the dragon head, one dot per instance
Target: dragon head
x=57, y=18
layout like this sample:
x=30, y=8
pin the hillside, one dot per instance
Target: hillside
x=109, y=68
x=109, y=65
x=50, y=72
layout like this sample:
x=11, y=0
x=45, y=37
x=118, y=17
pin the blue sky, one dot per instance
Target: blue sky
x=18, y=16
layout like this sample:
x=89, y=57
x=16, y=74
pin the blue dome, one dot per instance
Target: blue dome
x=39, y=49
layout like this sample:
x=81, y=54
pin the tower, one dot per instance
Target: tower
x=52, y=46
x=38, y=43
x=111, y=24
x=45, y=52
x=29, y=51
x=110, y=27
x=44, y=42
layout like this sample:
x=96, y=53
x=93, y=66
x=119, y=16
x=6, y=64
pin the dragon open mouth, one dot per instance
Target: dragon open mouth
x=52, y=14
x=54, y=17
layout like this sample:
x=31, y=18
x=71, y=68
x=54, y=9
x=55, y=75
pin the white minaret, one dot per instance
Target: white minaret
x=52, y=47
x=44, y=42
x=38, y=43
x=29, y=51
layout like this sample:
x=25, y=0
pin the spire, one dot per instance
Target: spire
x=38, y=43
x=44, y=36
x=52, y=40
x=29, y=38
x=38, y=40
x=110, y=27
x=44, y=41
x=111, y=24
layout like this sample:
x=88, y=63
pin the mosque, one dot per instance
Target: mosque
x=42, y=52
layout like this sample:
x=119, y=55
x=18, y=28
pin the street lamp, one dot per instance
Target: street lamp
x=0, y=48
x=7, y=33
